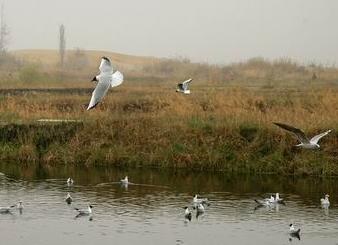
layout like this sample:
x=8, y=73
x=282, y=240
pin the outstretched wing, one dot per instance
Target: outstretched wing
x=117, y=79
x=299, y=133
x=99, y=92
x=105, y=65
x=316, y=138
x=186, y=83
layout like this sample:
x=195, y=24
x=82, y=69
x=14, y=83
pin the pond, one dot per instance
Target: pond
x=150, y=210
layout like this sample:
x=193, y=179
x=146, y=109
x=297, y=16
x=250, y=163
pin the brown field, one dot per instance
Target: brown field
x=224, y=125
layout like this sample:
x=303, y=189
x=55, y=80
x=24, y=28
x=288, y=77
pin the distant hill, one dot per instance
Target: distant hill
x=49, y=58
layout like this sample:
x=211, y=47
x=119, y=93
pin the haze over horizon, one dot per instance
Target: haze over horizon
x=213, y=31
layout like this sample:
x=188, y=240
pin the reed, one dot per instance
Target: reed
x=228, y=129
x=226, y=124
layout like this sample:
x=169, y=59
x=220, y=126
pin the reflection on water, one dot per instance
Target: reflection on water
x=150, y=210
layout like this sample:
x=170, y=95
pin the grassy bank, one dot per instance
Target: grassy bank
x=223, y=129
x=224, y=125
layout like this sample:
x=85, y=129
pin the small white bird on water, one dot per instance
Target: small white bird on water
x=105, y=79
x=19, y=206
x=68, y=198
x=70, y=181
x=125, y=181
x=325, y=201
x=184, y=87
x=304, y=141
x=264, y=203
x=84, y=212
x=200, y=208
x=6, y=210
x=293, y=231
x=187, y=213
x=197, y=200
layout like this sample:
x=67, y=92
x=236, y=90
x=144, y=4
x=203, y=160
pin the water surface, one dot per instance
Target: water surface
x=151, y=210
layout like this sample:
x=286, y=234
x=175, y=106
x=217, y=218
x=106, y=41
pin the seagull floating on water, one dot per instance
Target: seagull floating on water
x=19, y=206
x=276, y=199
x=6, y=210
x=68, y=198
x=105, y=79
x=197, y=200
x=264, y=203
x=325, y=201
x=70, y=181
x=304, y=141
x=187, y=213
x=125, y=181
x=84, y=212
x=184, y=87
x=293, y=231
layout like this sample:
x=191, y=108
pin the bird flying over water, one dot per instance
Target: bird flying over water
x=304, y=141
x=105, y=79
x=184, y=87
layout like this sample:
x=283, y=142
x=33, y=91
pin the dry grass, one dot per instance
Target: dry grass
x=224, y=125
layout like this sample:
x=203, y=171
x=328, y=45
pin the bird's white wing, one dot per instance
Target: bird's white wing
x=186, y=83
x=316, y=138
x=100, y=91
x=117, y=79
x=105, y=65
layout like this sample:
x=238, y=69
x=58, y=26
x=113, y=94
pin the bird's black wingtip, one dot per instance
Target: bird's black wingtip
x=92, y=107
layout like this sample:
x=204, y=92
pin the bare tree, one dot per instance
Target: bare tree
x=4, y=33
x=62, y=44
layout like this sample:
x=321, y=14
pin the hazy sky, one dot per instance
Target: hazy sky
x=217, y=31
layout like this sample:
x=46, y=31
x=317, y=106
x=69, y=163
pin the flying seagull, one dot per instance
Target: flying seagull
x=183, y=87
x=105, y=79
x=304, y=141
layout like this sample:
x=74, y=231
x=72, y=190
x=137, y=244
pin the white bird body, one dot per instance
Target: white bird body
x=124, y=181
x=187, y=213
x=200, y=208
x=304, y=141
x=19, y=205
x=68, y=198
x=106, y=79
x=293, y=231
x=266, y=202
x=197, y=200
x=84, y=212
x=325, y=201
x=70, y=181
x=184, y=87
x=5, y=210
x=276, y=199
